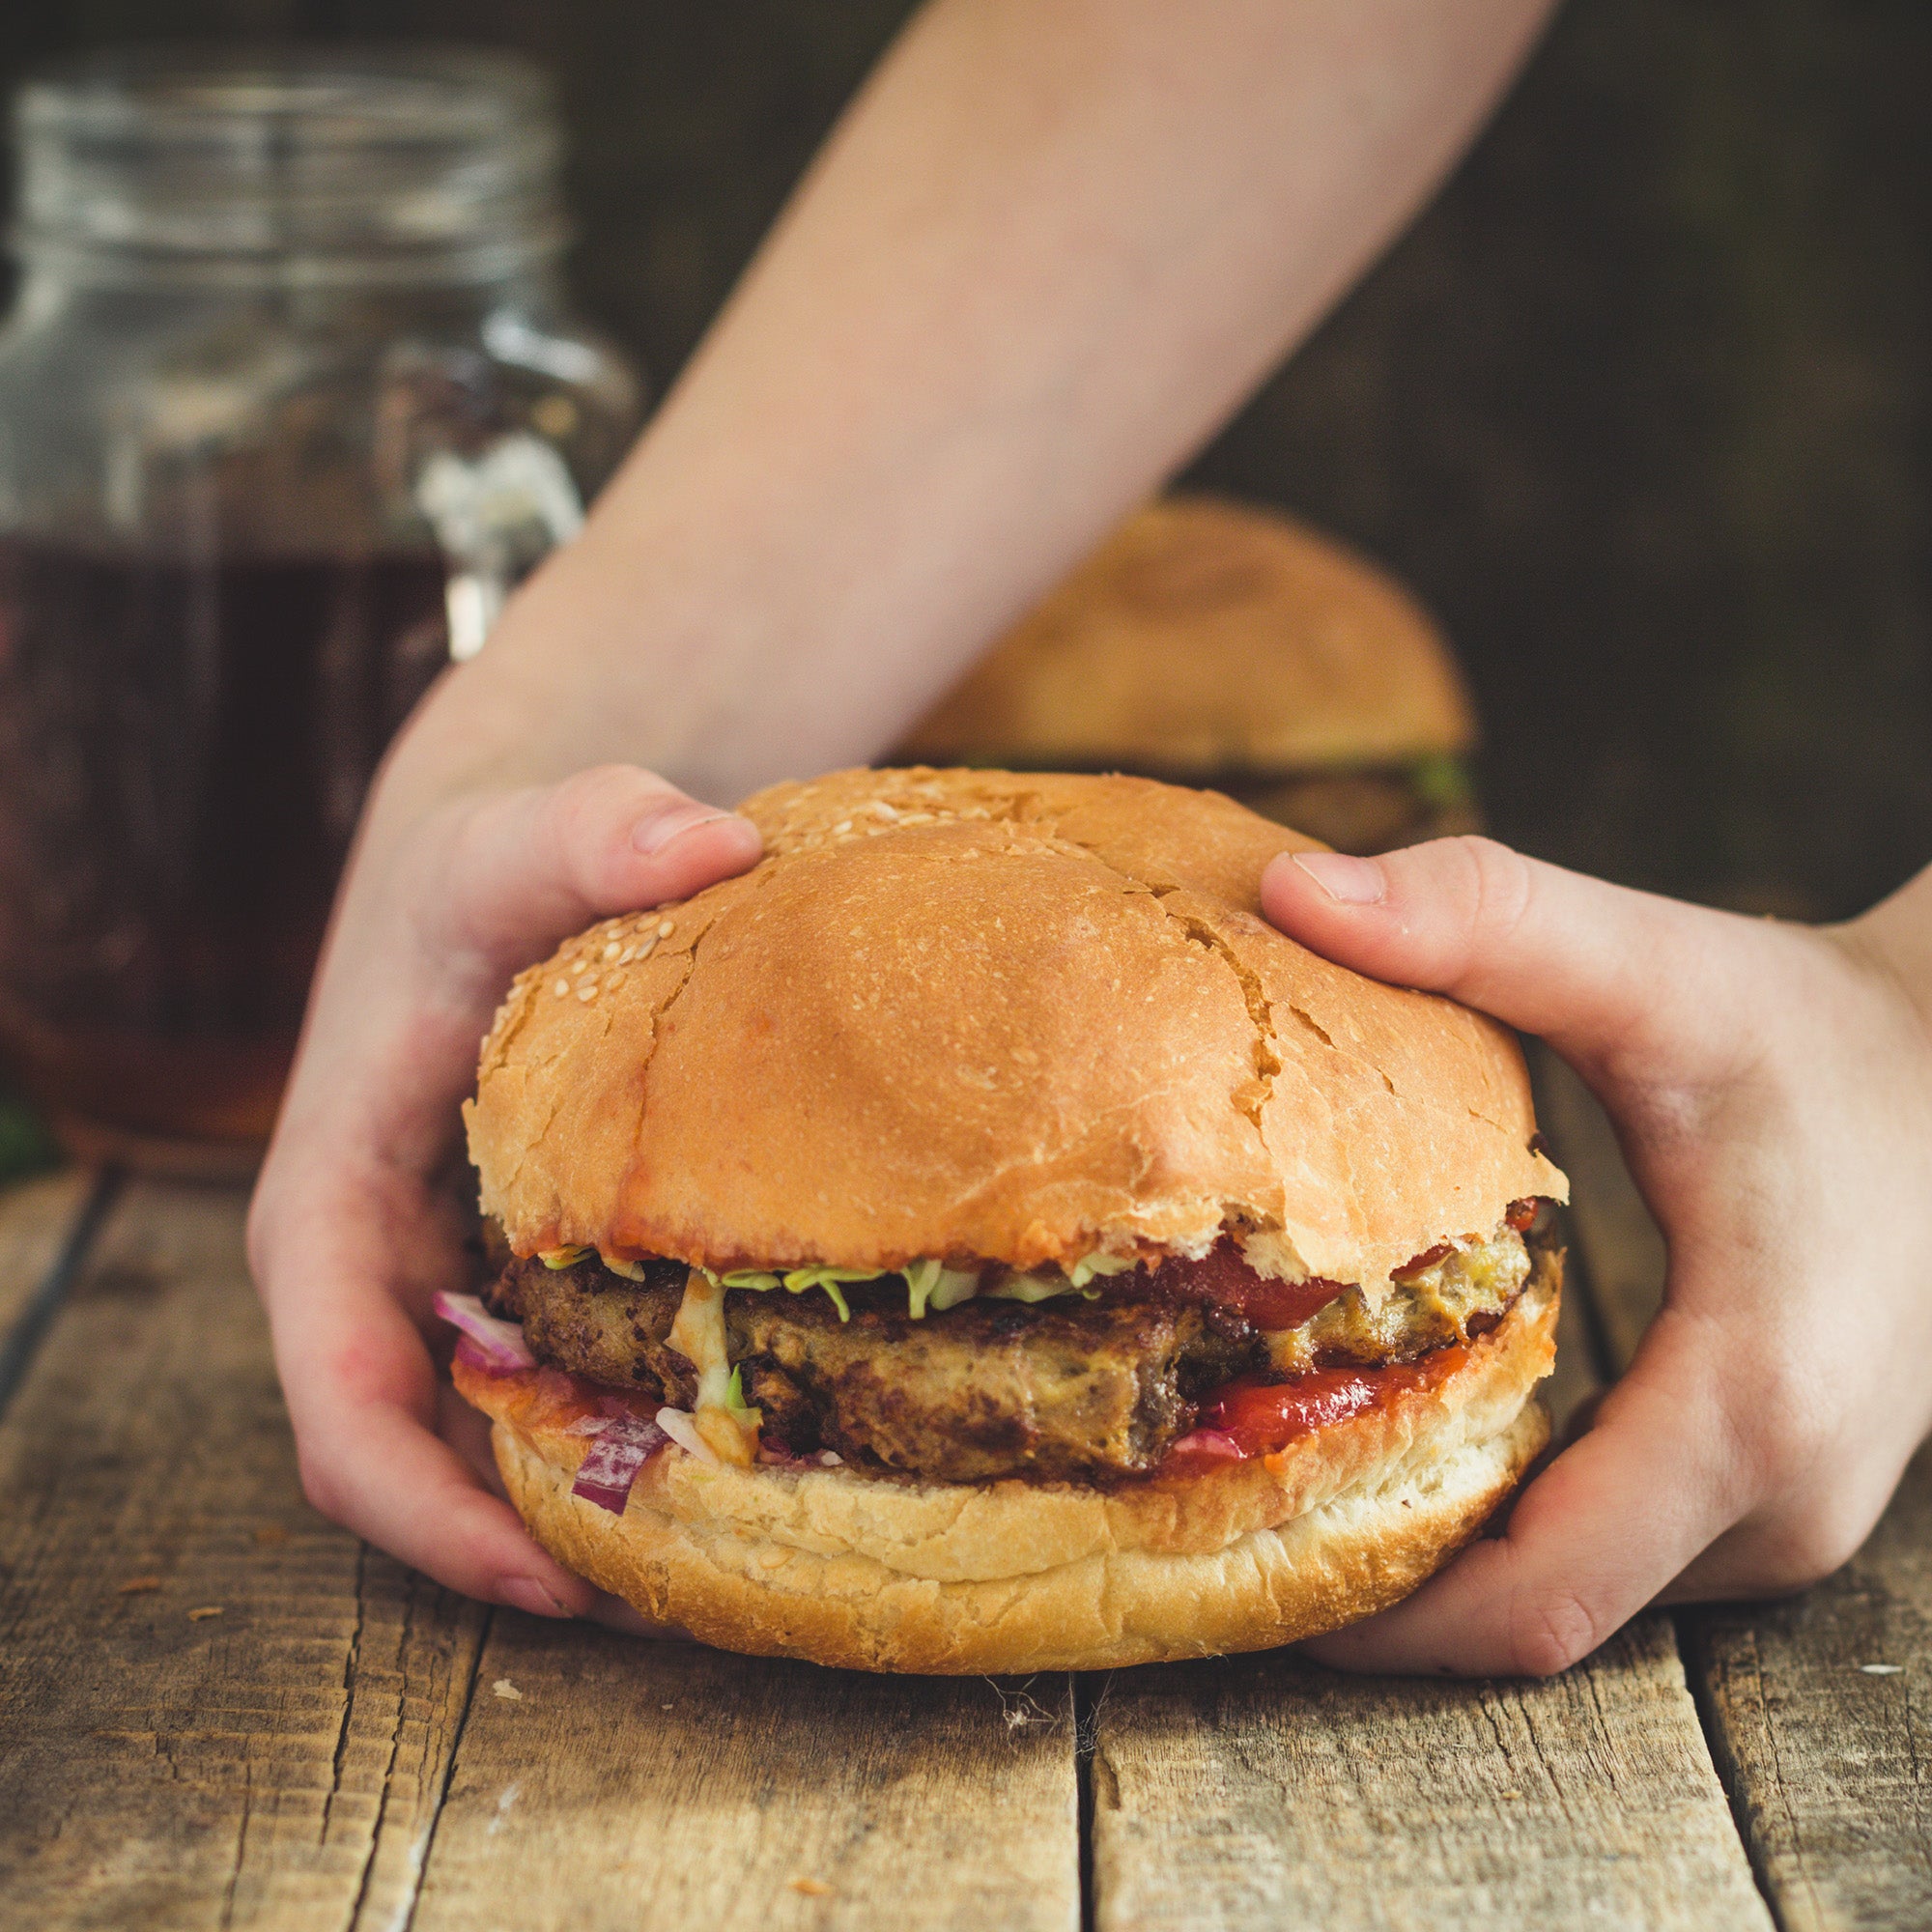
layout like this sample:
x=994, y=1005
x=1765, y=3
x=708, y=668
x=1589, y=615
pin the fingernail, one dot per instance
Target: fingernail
x=528, y=1593
x=650, y=836
x=1346, y=880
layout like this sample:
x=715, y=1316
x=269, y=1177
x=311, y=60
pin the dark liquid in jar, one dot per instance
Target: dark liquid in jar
x=183, y=752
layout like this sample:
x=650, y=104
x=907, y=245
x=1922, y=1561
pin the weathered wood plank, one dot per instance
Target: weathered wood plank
x=604, y=1782
x=1818, y=1713
x=1621, y=1249
x=214, y=1709
x=1263, y=1792
x=1821, y=1716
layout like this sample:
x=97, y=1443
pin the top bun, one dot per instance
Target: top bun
x=1015, y=1018
x=1207, y=637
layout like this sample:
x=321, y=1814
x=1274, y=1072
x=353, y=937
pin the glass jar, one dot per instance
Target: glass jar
x=289, y=401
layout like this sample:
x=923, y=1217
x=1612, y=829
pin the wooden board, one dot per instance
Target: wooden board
x=606, y=1784
x=273, y=1761
x=282, y=1762
x=1261, y=1792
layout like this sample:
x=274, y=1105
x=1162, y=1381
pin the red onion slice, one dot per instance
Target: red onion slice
x=498, y=1347
x=609, y=1466
x=1209, y=1442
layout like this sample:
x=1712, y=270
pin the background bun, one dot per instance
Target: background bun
x=875, y=1574
x=1210, y=636
x=975, y=1013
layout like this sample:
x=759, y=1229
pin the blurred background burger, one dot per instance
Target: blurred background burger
x=1216, y=643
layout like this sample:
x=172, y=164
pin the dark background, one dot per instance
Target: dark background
x=1641, y=405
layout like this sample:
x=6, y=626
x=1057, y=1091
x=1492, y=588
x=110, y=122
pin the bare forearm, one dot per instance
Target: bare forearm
x=1047, y=251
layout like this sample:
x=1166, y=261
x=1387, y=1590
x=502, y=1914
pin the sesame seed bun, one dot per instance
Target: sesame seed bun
x=1015, y=1018
x=1208, y=641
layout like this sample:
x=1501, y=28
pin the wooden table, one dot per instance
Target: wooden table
x=216, y=1710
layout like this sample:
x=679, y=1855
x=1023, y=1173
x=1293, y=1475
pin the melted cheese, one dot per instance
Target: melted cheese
x=1419, y=1309
x=698, y=1335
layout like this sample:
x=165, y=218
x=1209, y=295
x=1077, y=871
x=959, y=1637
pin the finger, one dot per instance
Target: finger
x=1593, y=1540
x=1544, y=950
x=390, y=1043
x=532, y=868
x=364, y=1398
x=1799, y=1534
x=378, y=1473
x=466, y=1430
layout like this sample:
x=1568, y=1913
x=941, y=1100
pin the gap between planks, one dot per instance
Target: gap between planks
x=45, y=1226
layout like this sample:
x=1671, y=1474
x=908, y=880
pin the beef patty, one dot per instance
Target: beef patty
x=1050, y=1391
x=1063, y=1389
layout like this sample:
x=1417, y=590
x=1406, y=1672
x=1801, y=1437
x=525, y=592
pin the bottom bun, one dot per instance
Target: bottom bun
x=885, y=1573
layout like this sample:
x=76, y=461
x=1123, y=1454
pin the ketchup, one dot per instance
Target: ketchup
x=545, y=1398
x=1222, y=1277
x=1260, y=1413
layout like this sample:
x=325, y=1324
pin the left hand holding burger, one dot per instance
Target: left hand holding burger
x=352, y=1229
x=1772, y=1088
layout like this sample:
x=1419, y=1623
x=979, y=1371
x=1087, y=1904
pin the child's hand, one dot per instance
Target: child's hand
x=1772, y=1086
x=351, y=1232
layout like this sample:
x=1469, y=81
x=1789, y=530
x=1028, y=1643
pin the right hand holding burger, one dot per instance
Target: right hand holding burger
x=1772, y=1088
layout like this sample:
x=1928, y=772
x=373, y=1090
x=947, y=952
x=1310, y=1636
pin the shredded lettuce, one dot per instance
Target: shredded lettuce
x=954, y=1285
x=678, y=1424
x=932, y=1283
x=734, y=1399
x=798, y=1280
x=921, y=1278
x=562, y=1258
x=1043, y=1284
x=1033, y=1287
x=931, y=1286
x=1089, y=1265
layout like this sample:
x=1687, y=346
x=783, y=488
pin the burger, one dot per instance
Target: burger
x=973, y=1240
x=1212, y=642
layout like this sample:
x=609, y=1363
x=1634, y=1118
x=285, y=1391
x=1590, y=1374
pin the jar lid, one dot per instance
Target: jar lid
x=392, y=163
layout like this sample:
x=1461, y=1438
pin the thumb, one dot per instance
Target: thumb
x=1595, y=969
x=529, y=868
